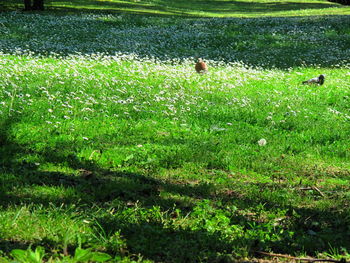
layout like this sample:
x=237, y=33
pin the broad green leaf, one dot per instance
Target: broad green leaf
x=100, y=257
x=19, y=254
x=82, y=255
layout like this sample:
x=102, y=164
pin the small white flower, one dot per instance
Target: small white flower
x=50, y=110
x=85, y=138
x=262, y=142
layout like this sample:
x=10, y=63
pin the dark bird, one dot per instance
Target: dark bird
x=317, y=80
x=201, y=67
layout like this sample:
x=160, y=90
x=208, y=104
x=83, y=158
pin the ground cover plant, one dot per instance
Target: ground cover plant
x=114, y=149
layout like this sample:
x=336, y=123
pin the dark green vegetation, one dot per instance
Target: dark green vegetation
x=343, y=2
x=111, y=143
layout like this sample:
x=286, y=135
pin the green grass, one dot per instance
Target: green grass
x=198, y=8
x=110, y=142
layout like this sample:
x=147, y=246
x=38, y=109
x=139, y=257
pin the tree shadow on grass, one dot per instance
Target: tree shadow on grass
x=269, y=43
x=100, y=187
x=178, y=8
x=187, y=9
x=93, y=184
x=240, y=7
x=315, y=229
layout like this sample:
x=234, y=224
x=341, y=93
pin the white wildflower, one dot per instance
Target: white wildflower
x=262, y=142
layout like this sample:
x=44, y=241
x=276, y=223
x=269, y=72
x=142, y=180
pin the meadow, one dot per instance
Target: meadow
x=113, y=149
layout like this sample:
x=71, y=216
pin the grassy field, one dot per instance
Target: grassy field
x=114, y=149
x=194, y=8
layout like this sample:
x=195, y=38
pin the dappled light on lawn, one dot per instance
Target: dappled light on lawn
x=116, y=147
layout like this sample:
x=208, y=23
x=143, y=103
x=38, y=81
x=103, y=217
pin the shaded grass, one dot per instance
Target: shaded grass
x=199, y=8
x=147, y=184
x=137, y=156
x=284, y=43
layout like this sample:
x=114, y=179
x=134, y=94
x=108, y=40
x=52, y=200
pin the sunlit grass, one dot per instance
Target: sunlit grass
x=199, y=8
x=194, y=137
x=111, y=141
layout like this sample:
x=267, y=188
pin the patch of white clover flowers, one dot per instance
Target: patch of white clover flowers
x=56, y=90
x=79, y=67
x=256, y=41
